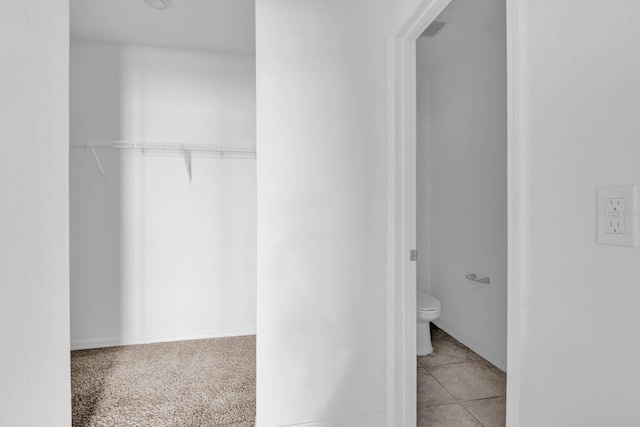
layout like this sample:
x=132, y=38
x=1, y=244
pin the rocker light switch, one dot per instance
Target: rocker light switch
x=618, y=215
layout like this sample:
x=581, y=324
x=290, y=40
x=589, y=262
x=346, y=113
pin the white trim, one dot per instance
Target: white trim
x=392, y=337
x=368, y=420
x=401, y=323
x=401, y=366
x=401, y=283
x=155, y=338
x=424, y=14
x=517, y=218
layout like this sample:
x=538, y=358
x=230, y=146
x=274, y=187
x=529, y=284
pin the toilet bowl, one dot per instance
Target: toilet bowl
x=428, y=310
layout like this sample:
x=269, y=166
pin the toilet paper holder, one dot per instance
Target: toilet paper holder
x=475, y=278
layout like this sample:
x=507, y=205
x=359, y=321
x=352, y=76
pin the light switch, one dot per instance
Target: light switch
x=618, y=215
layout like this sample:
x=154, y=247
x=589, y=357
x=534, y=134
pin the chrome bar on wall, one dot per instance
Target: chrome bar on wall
x=474, y=277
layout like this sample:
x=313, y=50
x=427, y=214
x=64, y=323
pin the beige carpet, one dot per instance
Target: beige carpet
x=187, y=383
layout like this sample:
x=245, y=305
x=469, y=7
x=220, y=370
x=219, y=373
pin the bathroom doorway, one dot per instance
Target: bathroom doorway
x=461, y=220
x=455, y=203
x=461, y=215
x=462, y=173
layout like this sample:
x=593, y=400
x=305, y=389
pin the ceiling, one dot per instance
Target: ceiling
x=465, y=19
x=216, y=25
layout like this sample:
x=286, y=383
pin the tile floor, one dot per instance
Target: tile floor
x=458, y=388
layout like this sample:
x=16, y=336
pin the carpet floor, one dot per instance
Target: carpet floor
x=208, y=382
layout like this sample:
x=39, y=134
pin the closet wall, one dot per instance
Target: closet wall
x=153, y=256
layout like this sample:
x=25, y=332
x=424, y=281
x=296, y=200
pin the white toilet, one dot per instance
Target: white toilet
x=428, y=310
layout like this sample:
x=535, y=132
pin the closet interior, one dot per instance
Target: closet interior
x=162, y=159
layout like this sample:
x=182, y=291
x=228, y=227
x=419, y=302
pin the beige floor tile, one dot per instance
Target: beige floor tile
x=447, y=351
x=430, y=391
x=453, y=415
x=490, y=412
x=471, y=380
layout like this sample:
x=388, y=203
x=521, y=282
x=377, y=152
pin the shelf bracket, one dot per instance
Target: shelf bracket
x=187, y=162
x=97, y=159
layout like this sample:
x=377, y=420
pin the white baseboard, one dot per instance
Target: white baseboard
x=369, y=420
x=497, y=360
x=83, y=344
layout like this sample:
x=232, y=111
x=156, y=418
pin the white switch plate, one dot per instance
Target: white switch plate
x=618, y=215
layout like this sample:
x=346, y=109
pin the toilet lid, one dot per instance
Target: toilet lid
x=426, y=302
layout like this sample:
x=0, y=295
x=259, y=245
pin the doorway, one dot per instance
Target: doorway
x=404, y=176
x=461, y=221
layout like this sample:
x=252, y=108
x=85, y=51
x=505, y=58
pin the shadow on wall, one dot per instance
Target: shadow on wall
x=96, y=245
x=95, y=227
x=94, y=214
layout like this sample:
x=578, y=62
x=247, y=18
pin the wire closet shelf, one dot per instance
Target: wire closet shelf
x=166, y=146
x=237, y=151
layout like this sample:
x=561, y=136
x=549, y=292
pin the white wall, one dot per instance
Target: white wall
x=579, y=109
x=462, y=173
x=321, y=72
x=579, y=95
x=154, y=257
x=34, y=202
x=580, y=131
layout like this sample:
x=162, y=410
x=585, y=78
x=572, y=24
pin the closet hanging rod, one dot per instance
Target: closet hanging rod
x=165, y=146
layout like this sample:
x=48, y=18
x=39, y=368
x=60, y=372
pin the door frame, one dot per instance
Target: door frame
x=401, y=213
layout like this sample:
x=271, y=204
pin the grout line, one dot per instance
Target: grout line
x=447, y=390
x=443, y=386
x=454, y=403
x=451, y=394
x=439, y=404
x=472, y=416
x=452, y=363
x=482, y=398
